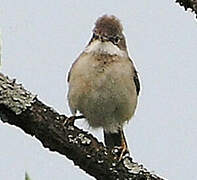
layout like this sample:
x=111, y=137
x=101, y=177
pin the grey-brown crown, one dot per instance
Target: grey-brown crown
x=108, y=26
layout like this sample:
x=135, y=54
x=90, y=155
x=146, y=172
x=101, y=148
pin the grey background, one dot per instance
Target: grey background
x=41, y=39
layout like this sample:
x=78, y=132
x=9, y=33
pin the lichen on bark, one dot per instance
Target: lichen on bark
x=14, y=96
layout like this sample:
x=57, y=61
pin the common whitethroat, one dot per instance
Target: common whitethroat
x=104, y=84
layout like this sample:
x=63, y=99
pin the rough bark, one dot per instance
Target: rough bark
x=189, y=4
x=23, y=109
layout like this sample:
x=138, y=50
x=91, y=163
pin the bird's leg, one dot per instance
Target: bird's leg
x=116, y=141
x=71, y=120
x=124, y=148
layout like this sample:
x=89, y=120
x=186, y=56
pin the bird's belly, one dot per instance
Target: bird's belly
x=109, y=106
x=107, y=99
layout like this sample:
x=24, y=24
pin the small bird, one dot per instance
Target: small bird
x=104, y=84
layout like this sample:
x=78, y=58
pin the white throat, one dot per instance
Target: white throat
x=105, y=48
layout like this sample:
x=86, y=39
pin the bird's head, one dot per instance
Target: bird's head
x=108, y=32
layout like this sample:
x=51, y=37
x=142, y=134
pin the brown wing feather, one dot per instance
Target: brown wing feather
x=137, y=82
x=135, y=78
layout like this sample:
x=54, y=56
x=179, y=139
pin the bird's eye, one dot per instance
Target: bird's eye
x=116, y=40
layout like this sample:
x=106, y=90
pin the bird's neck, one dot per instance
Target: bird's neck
x=98, y=47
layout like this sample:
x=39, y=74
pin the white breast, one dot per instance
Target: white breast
x=105, y=48
x=106, y=99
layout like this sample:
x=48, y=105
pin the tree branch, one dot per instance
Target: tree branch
x=23, y=109
x=188, y=4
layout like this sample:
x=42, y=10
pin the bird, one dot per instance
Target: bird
x=103, y=83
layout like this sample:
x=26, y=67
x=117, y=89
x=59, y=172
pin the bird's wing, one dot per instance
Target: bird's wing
x=135, y=78
x=136, y=81
x=68, y=78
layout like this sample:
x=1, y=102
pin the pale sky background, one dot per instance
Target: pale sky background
x=41, y=39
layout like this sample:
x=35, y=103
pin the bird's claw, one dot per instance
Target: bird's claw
x=71, y=120
x=121, y=152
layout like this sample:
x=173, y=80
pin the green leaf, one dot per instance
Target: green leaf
x=27, y=176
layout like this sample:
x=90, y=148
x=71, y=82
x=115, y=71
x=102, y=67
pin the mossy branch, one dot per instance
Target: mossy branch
x=21, y=108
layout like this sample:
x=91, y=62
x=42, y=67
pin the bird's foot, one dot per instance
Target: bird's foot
x=71, y=120
x=121, y=152
x=116, y=142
